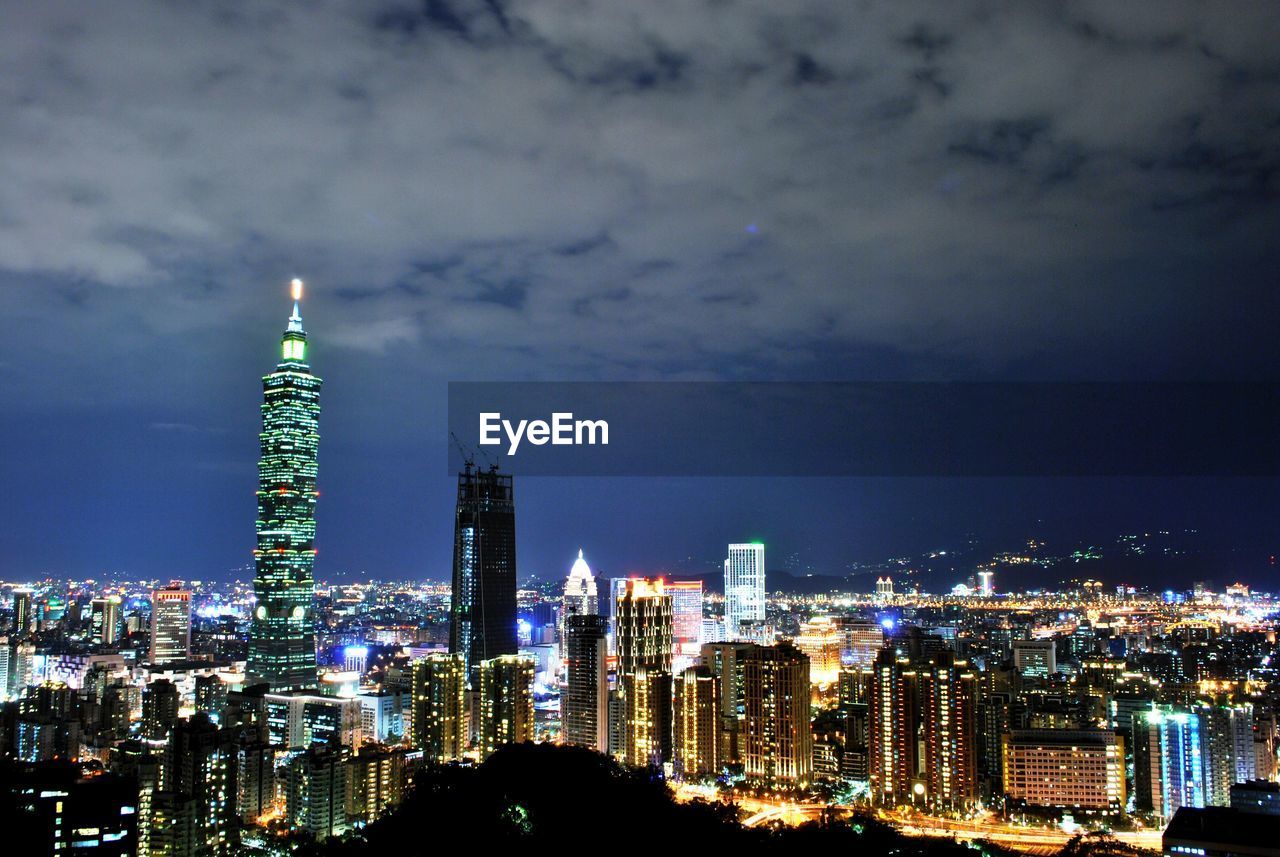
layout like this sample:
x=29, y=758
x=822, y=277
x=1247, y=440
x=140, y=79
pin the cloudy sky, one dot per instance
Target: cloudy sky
x=586, y=189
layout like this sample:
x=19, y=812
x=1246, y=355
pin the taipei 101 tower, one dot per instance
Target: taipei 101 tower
x=282, y=649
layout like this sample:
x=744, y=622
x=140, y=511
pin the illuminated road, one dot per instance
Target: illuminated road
x=1030, y=840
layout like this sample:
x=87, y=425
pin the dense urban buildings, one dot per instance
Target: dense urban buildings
x=282, y=638
x=170, y=625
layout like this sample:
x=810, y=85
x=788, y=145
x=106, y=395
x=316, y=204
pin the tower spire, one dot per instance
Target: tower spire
x=295, y=320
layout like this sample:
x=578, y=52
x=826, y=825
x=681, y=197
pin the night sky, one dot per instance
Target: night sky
x=596, y=190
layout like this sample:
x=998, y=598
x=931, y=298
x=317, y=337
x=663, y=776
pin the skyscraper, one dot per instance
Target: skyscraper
x=777, y=740
x=104, y=620
x=22, y=614
x=580, y=595
x=282, y=650
x=948, y=709
x=892, y=738
x=483, y=614
x=686, y=615
x=643, y=630
x=743, y=588
x=696, y=735
x=170, y=625
x=584, y=699
x=1168, y=764
x=506, y=702
x=439, y=712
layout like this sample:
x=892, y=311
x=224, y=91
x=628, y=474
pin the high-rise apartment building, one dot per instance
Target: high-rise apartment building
x=696, y=738
x=282, y=650
x=439, y=708
x=948, y=719
x=316, y=792
x=23, y=617
x=584, y=699
x=200, y=763
x=744, y=590
x=506, y=702
x=483, y=615
x=777, y=740
x=1168, y=761
x=170, y=625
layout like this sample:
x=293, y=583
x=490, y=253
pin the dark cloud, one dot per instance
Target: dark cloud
x=593, y=189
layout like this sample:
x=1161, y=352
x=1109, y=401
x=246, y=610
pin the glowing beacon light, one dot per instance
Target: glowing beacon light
x=297, y=289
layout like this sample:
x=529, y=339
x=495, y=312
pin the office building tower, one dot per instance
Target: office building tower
x=104, y=620
x=686, y=614
x=744, y=590
x=892, y=739
x=483, y=614
x=316, y=793
x=1227, y=751
x=696, y=738
x=23, y=617
x=506, y=702
x=298, y=719
x=986, y=583
x=580, y=595
x=382, y=715
x=1065, y=769
x=948, y=719
x=1168, y=763
x=777, y=742
x=643, y=628
x=282, y=650
x=884, y=588
x=439, y=706
x=1034, y=658
x=201, y=763
x=170, y=625
x=355, y=659
x=160, y=702
x=584, y=699
x=375, y=783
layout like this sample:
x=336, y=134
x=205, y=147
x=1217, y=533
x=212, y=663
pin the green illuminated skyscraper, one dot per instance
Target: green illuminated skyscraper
x=282, y=650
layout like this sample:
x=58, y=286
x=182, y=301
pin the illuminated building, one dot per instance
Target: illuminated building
x=172, y=832
x=282, y=649
x=862, y=641
x=200, y=763
x=298, y=719
x=1065, y=768
x=580, y=595
x=59, y=810
x=892, y=738
x=439, y=719
x=316, y=793
x=170, y=625
x=104, y=620
x=1034, y=658
x=381, y=715
x=375, y=783
x=483, y=614
x=1168, y=764
x=160, y=703
x=744, y=588
x=643, y=628
x=725, y=661
x=986, y=583
x=948, y=719
x=506, y=702
x=584, y=698
x=355, y=659
x=1228, y=752
x=820, y=640
x=696, y=730
x=686, y=614
x=884, y=588
x=255, y=780
x=22, y=613
x=777, y=742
